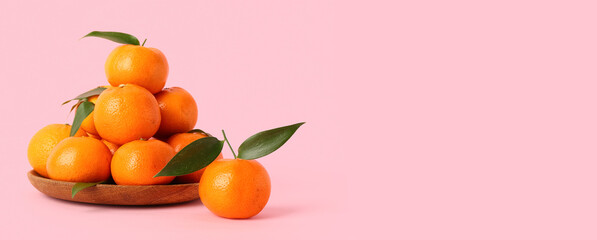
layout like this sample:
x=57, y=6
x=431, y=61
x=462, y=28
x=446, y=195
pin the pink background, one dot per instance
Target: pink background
x=425, y=120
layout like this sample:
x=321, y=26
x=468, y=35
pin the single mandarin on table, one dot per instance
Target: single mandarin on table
x=235, y=188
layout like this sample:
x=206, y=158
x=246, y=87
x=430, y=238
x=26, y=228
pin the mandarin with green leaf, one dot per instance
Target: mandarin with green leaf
x=134, y=63
x=231, y=188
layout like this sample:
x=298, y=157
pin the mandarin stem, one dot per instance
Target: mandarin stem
x=230, y=146
x=144, y=42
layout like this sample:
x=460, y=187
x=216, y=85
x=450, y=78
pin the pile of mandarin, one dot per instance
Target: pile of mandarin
x=135, y=127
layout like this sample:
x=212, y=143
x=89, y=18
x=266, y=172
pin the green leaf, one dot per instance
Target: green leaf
x=75, y=106
x=82, y=112
x=85, y=95
x=193, y=157
x=80, y=186
x=115, y=37
x=266, y=142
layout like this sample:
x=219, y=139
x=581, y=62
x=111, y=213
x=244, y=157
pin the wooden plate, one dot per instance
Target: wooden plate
x=112, y=194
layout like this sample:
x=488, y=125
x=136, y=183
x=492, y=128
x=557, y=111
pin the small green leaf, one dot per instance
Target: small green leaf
x=90, y=93
x=266, y=142
x=82, y=112
x=80, y=186
x=193, y=157
x=75, y=106
x=115, y=37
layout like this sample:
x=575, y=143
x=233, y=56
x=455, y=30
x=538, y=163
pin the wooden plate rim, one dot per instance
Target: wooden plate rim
x=34, y=176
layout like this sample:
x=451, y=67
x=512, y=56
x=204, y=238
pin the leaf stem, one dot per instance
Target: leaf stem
x=226, y=139
x=144, y=42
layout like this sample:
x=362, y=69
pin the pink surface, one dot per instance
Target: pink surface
x=425, y=120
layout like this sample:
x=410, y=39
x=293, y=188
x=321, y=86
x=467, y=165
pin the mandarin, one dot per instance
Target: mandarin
x=178, y=110
x=42, y=143
x=235, y=188
x=146, y=67
x=136, y=162
x=126, y=113
x=79, y=159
